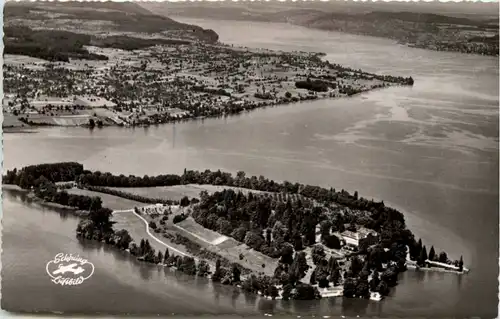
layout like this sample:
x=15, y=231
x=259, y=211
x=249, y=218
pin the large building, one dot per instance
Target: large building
x=354, y=238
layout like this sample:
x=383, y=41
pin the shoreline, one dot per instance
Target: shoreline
x=437, y=269
x=324, y=292
x=396, y=41
x=32, y=128
x=31, y=196
x=330, y=292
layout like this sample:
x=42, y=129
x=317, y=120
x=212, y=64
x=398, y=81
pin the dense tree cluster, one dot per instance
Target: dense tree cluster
x=48, y=191
x=56, y=45
x=134, y=197
x=110, y=180
x=275, y=223
x=313, y=85
x=124, y=42
x=245, y=217
x=51, y=45
x=57, y=172
x=386, y=78
x=179, y=218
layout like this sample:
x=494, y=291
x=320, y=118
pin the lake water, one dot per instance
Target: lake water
x=430, y=150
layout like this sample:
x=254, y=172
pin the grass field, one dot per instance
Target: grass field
x=109, y=201
x=228, y=248
x=201, y=232
x=179, y=191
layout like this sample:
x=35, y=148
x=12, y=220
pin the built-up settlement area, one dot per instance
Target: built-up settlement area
x=165, y=83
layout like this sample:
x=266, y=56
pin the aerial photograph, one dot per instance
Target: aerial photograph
x=290, y=159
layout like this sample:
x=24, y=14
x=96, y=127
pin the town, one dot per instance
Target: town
x=170, y=82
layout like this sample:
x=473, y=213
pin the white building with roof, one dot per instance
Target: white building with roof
x=353, y=238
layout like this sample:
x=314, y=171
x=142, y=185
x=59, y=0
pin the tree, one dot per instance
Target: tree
x=312, y=279
x=461, y=264
x=383, y=288
x=325, y=227
x=298, y=244
x=239, y=234
x=273, y=292
x=318, y=253
x=432, y=254
x=288, y=95
x=351, y=227
x=142, y=245
x=236, y=272
x=322, y=273
x=160, y=257
x=332, y=242
x=166, y=256
x=188, y=265
x=218, y=273
x=362, y=289
x=254, y=240
x=390, y=277
x=278, y=234
x=443, y=257
x=299, y=266
x=179, y=218
x=268, y=236
x=286, y=253
x=336, y=277
x=423, y=256
x=349, y=288
x=375, y=281
x=124, y=239
x=91, y=123
x=224, y=226
x=356, y=265
x=184, y=201
x=305, y=292
x=287, y=291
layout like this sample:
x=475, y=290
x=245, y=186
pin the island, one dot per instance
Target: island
x=281, y=240
x=93, y=74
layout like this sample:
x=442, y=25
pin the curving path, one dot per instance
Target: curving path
x=148, y=231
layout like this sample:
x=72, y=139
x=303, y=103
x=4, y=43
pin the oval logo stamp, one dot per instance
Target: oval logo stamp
x=69, y=270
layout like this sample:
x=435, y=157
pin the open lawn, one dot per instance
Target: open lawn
x=179, y=191
x=228, y=248
x=109, y=201
x=201, y=232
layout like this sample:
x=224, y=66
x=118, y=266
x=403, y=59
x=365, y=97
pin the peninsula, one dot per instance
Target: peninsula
x=100, y=75
x=278, y=239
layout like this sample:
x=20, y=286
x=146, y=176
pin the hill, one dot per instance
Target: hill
x=464, y=27
x=59, y=31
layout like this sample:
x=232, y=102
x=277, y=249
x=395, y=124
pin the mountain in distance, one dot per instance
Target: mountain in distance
x=96, y=17
x=58, y=31
x=465, y=27
x=274, y=10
